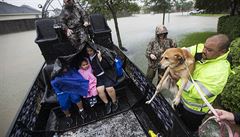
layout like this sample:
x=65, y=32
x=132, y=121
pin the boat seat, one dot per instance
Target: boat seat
x=49, y=42
x=49, y=98
x=45, y=31
x=100, y=32
x=46, y=37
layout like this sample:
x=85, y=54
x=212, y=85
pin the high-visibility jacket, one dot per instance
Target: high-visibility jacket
x=210, y=75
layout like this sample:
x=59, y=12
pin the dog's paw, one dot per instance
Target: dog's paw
x=148, y=102
x=176, y=101
x=174, y=106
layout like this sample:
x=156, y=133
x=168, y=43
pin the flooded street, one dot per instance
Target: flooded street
x=21, y=58
x=138, y=30
x=21, y=61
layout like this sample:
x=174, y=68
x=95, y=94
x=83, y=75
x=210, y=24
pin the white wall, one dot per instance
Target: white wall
x=16, y=17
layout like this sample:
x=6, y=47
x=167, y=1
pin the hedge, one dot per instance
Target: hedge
x=235, y=52
x=230, y=97
x=229, y=25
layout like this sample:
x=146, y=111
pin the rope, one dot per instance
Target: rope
x=230, y=133
x=201, y=94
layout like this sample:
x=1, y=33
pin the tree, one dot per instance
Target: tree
x=113, y=7
x=159, y=6
x=183, y=5
x=219, y=6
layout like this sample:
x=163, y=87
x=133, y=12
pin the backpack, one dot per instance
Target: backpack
x=118, y=66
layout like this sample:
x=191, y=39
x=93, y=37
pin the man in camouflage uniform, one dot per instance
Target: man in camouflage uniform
x=74, y=19
x=155, y=49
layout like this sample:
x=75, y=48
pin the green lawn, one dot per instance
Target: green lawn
x=194, y=38
x=209, y=15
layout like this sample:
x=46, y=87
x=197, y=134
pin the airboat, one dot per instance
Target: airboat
x=40, y=114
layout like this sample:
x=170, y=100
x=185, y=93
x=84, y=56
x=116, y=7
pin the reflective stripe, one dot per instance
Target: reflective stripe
x=204, y=89
x=188, y=85
x=201, y=86
x=193, y=111
x=194, y=104
x=100, y=74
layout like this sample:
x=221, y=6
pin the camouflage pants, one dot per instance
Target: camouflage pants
x=78, y=38
x=152, y=72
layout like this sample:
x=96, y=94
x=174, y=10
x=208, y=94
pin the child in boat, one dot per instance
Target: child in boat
x=69, y=86
x=85, y=70
x=106, y=77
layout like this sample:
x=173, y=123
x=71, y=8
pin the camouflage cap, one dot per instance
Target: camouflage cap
x=161, y=29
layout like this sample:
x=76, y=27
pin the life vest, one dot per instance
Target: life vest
x=210, y=75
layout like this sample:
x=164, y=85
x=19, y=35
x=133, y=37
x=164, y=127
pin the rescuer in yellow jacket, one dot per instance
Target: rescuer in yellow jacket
x=211, y=74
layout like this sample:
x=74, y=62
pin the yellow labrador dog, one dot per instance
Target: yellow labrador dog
x=176, y=60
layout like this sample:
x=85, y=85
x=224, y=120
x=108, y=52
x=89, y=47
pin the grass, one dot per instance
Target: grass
x=209, y=15
x=194, y=38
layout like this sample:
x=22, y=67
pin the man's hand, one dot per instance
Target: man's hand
x=69, y=32
x=153, y=57
x=86, y=24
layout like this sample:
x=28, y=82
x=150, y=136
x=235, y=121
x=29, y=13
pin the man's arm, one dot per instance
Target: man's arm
x=83, y=14
x=63, y=20
x=148, y=53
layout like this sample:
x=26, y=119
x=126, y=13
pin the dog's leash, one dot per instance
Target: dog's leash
x=201, y=94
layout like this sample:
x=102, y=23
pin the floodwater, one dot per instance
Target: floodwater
x=21, y=58
x=138, y=30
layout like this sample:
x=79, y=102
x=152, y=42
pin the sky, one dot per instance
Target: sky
x=32, y=3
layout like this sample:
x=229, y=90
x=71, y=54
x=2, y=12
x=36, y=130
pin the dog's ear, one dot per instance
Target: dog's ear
x=179, y=58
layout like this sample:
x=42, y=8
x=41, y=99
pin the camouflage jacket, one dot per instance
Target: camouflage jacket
x=73, y=18
x=157, y=48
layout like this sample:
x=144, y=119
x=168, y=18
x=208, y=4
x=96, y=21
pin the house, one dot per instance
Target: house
x=11, y=12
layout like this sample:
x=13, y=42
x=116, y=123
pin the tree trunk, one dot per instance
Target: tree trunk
x=117, y=30
x=163, y=22
x=114, y=14
x=233, y=7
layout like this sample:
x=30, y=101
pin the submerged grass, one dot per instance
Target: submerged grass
x=194, y=38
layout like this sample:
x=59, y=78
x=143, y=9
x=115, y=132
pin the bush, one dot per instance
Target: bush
x=229, y=25
x=231, y=94
x=235, y=50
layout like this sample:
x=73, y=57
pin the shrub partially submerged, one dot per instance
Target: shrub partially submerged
x=231, y=94
x=235, y=52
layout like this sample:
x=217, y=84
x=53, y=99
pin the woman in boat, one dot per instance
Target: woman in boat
x=106, y=77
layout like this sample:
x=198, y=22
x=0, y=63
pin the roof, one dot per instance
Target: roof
x=6, y=8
